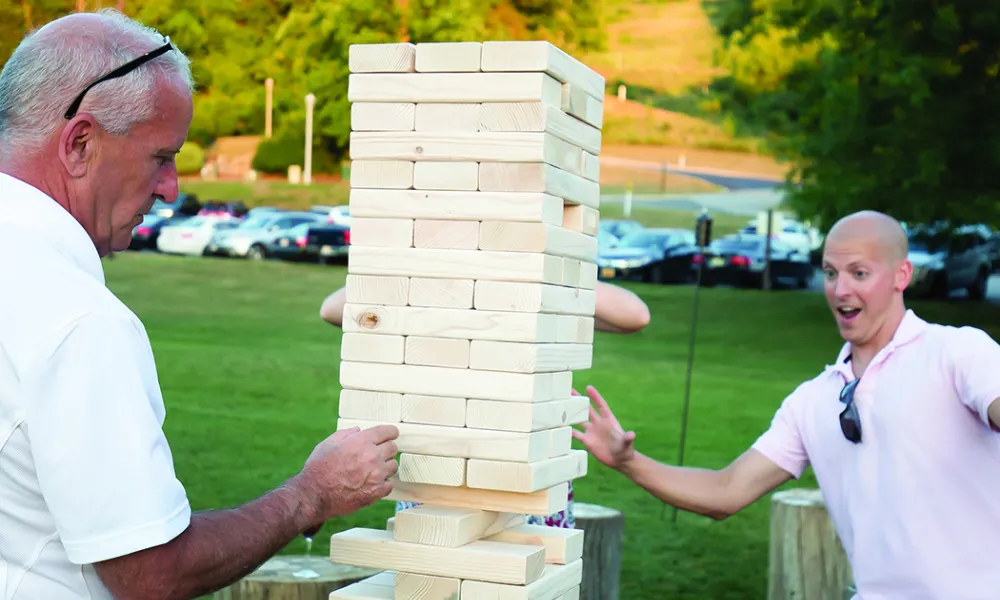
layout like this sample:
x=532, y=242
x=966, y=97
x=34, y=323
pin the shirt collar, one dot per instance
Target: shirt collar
x=908, y=330
x=23, y=204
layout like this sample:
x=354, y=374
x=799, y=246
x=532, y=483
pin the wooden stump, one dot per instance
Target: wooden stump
x=807, y=560
x=602, y=550
x=294, y=578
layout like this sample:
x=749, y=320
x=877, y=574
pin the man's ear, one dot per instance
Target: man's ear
x=78, y=144
x=904, y=273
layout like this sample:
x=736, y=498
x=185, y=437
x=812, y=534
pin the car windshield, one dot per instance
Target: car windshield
x=924, y=242
x=257, y=221
x=643, y=239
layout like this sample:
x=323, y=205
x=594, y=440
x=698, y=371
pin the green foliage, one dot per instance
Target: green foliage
x=190, y=159
x=275, y=155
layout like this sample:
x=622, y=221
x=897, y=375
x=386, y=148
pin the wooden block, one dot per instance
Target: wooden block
x=371, y=347
x=543, y=56
x=382, y=174
x=377, y=587
x=410, y=586
x=448, y=57
x=370, y=406
x=375, y=289
x=536, y=238
x=562, y=546
x=591, y=167
x=588, y=275
x=455, y=264
x=454, y=175
x=545, y=502
x=556, y=581
x=538, y=177
x=521, y=357
x=381, y=233
x=436, y=470
x=433, y=410
x=383, y=116
x=575, y=329
x=518, y=296
x=464, y=442
x=508, y=416
x=571, y=272
x=436, y=351
x=436, y=292
x=446, y=234
x=457, y=206
x=390, y=524
x=463, y=88
x=581, y=105
x=572, y=594
x=447, y=116
x=481, y=560
x=584, y=219
x=382, y=58
x=450, y=527
x=536, y=116
x=450, y=323
x=526, y=477
x=560, y=441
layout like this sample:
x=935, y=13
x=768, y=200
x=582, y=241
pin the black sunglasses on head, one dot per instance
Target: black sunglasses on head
x=119, y=72
x=850, y=422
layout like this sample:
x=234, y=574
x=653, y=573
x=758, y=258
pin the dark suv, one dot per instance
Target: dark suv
x=945, y=260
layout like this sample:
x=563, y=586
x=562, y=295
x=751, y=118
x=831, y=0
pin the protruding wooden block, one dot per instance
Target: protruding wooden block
x=582, y=106
x=545, y=502
x=538, y=177
x=521, y=357
x=516, y=296
x=450, y=323
x=436, y=470
x=410, y=586
x=556, y=581
x=534, y=238
x=377, y=289
x=481, y=560
x=382, y=174
x=381, y=233
x=525, y=56
x=451, y=175
x=447, y=116
x=436, y=351
x=562, y=546
x=382, y=58
x=450, y=527
x=465, y=88
x=455, y=264
x=591, y=167
x=457, y=206
x=526, y=477
x=446, y=234
x=370, y=406
x=433, y=410
x=370, y=347
x=383, y=116
x=508, y=416
x=448, y=57
x=584, y=219
x=437, y=292
x=536, y=116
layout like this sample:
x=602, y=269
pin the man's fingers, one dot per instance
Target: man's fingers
x=575, y=393
x=388, y=450
x=602, y=405
x=381, y=433
x=392, y=467
x=344, y=433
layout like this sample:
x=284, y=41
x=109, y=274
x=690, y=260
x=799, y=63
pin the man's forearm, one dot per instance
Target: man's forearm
x=699, y=491
x=218, y=548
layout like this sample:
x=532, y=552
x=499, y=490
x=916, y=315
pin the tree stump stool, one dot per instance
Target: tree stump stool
x=807, y=560
x=295, y=578
x=603, y=529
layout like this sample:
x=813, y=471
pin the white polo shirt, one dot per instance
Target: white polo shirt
x=85, y=470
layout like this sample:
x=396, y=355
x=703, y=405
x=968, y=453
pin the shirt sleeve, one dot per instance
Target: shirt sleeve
x=94, y=423
x=975, y=364
x=782, y=442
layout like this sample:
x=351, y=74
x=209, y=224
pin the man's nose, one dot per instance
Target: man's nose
x=842, y=287
x=167, y=186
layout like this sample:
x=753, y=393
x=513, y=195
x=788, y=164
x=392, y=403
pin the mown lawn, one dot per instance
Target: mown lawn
x=250, y=378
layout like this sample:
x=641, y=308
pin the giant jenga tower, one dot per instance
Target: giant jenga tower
x=470, y=302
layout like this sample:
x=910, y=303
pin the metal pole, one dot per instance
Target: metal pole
x=307, y=170
x=767, y=251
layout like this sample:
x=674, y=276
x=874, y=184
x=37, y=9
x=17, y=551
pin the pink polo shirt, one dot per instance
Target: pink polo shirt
x=917, y=503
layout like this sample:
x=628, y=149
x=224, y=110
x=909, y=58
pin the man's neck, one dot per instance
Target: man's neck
x=52, y=187
x=863, y=354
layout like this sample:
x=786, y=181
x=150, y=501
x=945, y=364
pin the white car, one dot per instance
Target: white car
x=192, y=235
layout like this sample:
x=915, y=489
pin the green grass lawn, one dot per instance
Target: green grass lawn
x=250, y=378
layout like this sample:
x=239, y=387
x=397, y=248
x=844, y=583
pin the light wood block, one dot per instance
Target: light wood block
x=538, y=177
x=545, y=502
x=383, y=116
x=452, y=175
x=525, y=56
x=382, y=174
x=536, y=116
x=450, y=527
x=560, y=441
x=537, y=416
x=457, y=206
x=436, y=351
x=521, y=357
x=410, y=586
x=581, y=105
x=526, y=477
x=582, y=274
x=536, y=238
x=556, y=581
x=588, y=275
x=381, y=233
x=571, y=272
x=375, y=289
x=382, y=58
x=376, y=587
x=448, y=57
x=572, y=594
x=370, y=406
x=450, y=323
x=584, y=219
x=463, y=442
x=433, y=410
x=481, y=560
x=447, y=116
x=591, y=167
x=436, y=470
x=464, y=88
x=562, y=546
x=455, y=264
x=518, y=296
x=371, y=347
x=574, y=329
x=446, y=234
x=437, y=292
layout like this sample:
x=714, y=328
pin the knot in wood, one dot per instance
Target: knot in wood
x=420, y=149
x=369, y=319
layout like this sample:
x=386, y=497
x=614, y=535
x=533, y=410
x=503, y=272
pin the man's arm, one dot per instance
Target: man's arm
x=618, y=310
x=994, y=414
x=332, y=309
x=975, y=369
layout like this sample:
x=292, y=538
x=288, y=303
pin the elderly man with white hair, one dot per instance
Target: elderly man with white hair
x=93, y=109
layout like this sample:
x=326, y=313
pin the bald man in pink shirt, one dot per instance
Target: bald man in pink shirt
x=902, y=432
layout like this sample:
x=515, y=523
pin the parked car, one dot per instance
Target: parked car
x=328, y=242
x=230, y=210
x=655, y=255
x=739, y=260
x=251, y=237
x=619, y=227
x=145, y=234
x=186, y=204
x=947, y=260
x=191, y=236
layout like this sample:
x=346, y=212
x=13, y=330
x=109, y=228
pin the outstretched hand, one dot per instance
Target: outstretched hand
x=602, y=435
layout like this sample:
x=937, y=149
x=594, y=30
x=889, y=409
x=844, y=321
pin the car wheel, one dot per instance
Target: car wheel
x=256, y=252
x=977, y=291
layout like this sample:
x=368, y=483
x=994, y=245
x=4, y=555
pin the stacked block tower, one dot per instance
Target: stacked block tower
x=470, y=302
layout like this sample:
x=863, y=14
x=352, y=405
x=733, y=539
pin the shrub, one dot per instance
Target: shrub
x=275, y=155
x=190, y=159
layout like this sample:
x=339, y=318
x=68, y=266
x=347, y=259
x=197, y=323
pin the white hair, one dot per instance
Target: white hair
x=50, y=68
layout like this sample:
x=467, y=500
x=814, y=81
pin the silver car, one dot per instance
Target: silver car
x=251, y=238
